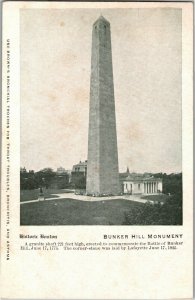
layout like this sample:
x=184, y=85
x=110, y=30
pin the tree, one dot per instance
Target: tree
x=156, y=214
x=27, y=181
x=172, y=183
x=44, y=177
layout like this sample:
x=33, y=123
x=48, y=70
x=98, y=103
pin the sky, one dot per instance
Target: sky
x=55, y=47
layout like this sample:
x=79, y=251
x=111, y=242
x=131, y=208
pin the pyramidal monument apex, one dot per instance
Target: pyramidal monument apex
x=102, y=166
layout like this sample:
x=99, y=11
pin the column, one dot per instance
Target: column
x=102, y=165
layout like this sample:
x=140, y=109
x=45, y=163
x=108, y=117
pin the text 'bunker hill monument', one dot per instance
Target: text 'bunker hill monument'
x=102, y=166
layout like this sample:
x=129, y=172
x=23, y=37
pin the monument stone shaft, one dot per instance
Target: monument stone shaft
x=102, y=165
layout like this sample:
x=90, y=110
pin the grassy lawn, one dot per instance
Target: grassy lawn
x=160, y=197
x=26, y=195
x=75, y=212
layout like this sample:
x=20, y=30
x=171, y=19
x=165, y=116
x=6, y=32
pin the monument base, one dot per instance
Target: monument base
x=103, y=195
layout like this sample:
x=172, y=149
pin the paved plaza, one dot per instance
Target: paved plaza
x=63, y=196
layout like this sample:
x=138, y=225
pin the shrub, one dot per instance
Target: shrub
x=156, y=214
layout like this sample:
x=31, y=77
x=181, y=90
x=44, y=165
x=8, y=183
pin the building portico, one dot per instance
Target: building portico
x=142, y=185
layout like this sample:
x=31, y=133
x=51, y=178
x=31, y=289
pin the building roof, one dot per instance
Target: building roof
x=81, y=163
x=135, y=177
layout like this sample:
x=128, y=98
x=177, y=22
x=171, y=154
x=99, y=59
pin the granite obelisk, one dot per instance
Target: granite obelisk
x=102, y=165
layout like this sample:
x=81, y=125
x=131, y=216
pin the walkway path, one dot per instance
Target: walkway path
x=136, y=198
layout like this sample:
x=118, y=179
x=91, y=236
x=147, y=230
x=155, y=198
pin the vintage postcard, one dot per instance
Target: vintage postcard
x=97, y=156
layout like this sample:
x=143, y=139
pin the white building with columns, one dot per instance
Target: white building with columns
x=134, y=184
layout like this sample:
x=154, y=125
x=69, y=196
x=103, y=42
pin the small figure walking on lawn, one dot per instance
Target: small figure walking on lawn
x=41, y=194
